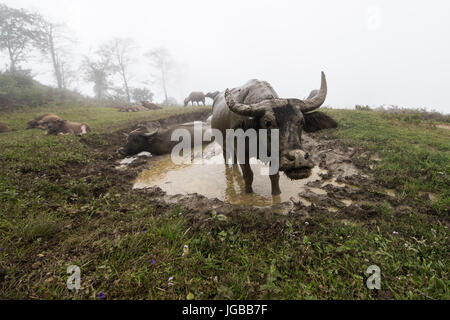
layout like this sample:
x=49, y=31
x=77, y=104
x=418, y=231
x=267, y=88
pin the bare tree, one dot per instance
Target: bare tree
x=161, y=60
x=20, y=32
x=57, y=41
x=121, y=50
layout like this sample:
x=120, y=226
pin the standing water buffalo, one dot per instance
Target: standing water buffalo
x=256, y=105
x=212, y=95
x=196, y=96
x=42, y=121
x=157, y=140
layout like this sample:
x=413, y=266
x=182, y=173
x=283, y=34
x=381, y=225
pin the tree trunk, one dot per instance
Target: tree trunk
x=56, y=63
x=12, y=66
x=125, y=83
x=163, y=77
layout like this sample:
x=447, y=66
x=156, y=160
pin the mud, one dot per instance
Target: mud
x=335, y=185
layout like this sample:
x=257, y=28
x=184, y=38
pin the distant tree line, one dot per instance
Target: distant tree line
x=108, y=69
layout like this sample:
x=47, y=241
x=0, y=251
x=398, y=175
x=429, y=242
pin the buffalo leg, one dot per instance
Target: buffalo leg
x=247, y=174
x=274, y=180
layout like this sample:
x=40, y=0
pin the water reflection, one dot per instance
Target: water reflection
x=213, y=179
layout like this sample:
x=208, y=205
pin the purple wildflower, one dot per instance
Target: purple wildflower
x=153, y=261
x=101, y=295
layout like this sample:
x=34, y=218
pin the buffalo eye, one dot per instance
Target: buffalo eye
x=268, y=124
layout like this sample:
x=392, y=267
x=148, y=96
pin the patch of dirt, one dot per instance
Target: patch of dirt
x=443, y=126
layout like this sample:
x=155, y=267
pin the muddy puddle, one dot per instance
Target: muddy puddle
x=212, y=179
x=335, y=184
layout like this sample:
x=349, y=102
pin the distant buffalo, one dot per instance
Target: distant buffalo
x=132, y=108
x=150, y=106
x=196, y=96
x=42, y=121
x=212, y=95
x=4, y=127
x=62, y=127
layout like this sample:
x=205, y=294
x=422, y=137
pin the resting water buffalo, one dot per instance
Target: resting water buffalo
x=60, y=126
x=132, y=108
x=4, y=127
x=150, y=106
x=156, y=140
x=212, y=95
x=195, y=97
x=256, y=105
x=42, y=121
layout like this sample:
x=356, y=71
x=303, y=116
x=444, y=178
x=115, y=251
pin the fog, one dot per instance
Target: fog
x=373, y=52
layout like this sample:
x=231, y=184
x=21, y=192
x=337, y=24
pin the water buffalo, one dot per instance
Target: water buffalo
x=42, y=121
x=195, y=97
x=156, y=140
x=4, y=127
x=212, y=95
x=132, y=108
x=150, y=106
x=256, y=105
x=60, y=127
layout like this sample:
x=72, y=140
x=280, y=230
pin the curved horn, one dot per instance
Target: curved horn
x=151, y=133
x=316, y=101
x=249, y=110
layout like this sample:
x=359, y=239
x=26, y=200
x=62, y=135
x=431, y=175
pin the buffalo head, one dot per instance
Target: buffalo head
x=140, y=139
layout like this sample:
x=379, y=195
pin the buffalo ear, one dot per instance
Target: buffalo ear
x=316, y=121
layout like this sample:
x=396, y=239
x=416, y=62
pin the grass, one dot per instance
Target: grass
x=62, y=204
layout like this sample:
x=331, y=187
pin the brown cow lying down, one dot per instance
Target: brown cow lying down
x=132, y=108
x=4, y=127
x=150, y=106
x=42, y=121
x=60, y=126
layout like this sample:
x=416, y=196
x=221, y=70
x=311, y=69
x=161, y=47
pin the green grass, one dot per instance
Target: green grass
x=415, y=157
x=62, y=203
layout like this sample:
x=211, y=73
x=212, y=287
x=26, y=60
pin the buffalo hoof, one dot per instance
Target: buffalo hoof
x=276, y=192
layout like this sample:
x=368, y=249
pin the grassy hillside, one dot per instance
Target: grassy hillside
x=18, y=90
x=62, y=203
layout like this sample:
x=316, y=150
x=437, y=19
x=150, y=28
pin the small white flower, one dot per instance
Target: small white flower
x=185, y=250
x=406, y=245
x=307, y=223
x=394, y=232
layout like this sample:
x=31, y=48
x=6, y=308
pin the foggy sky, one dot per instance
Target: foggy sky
x=373, y=52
